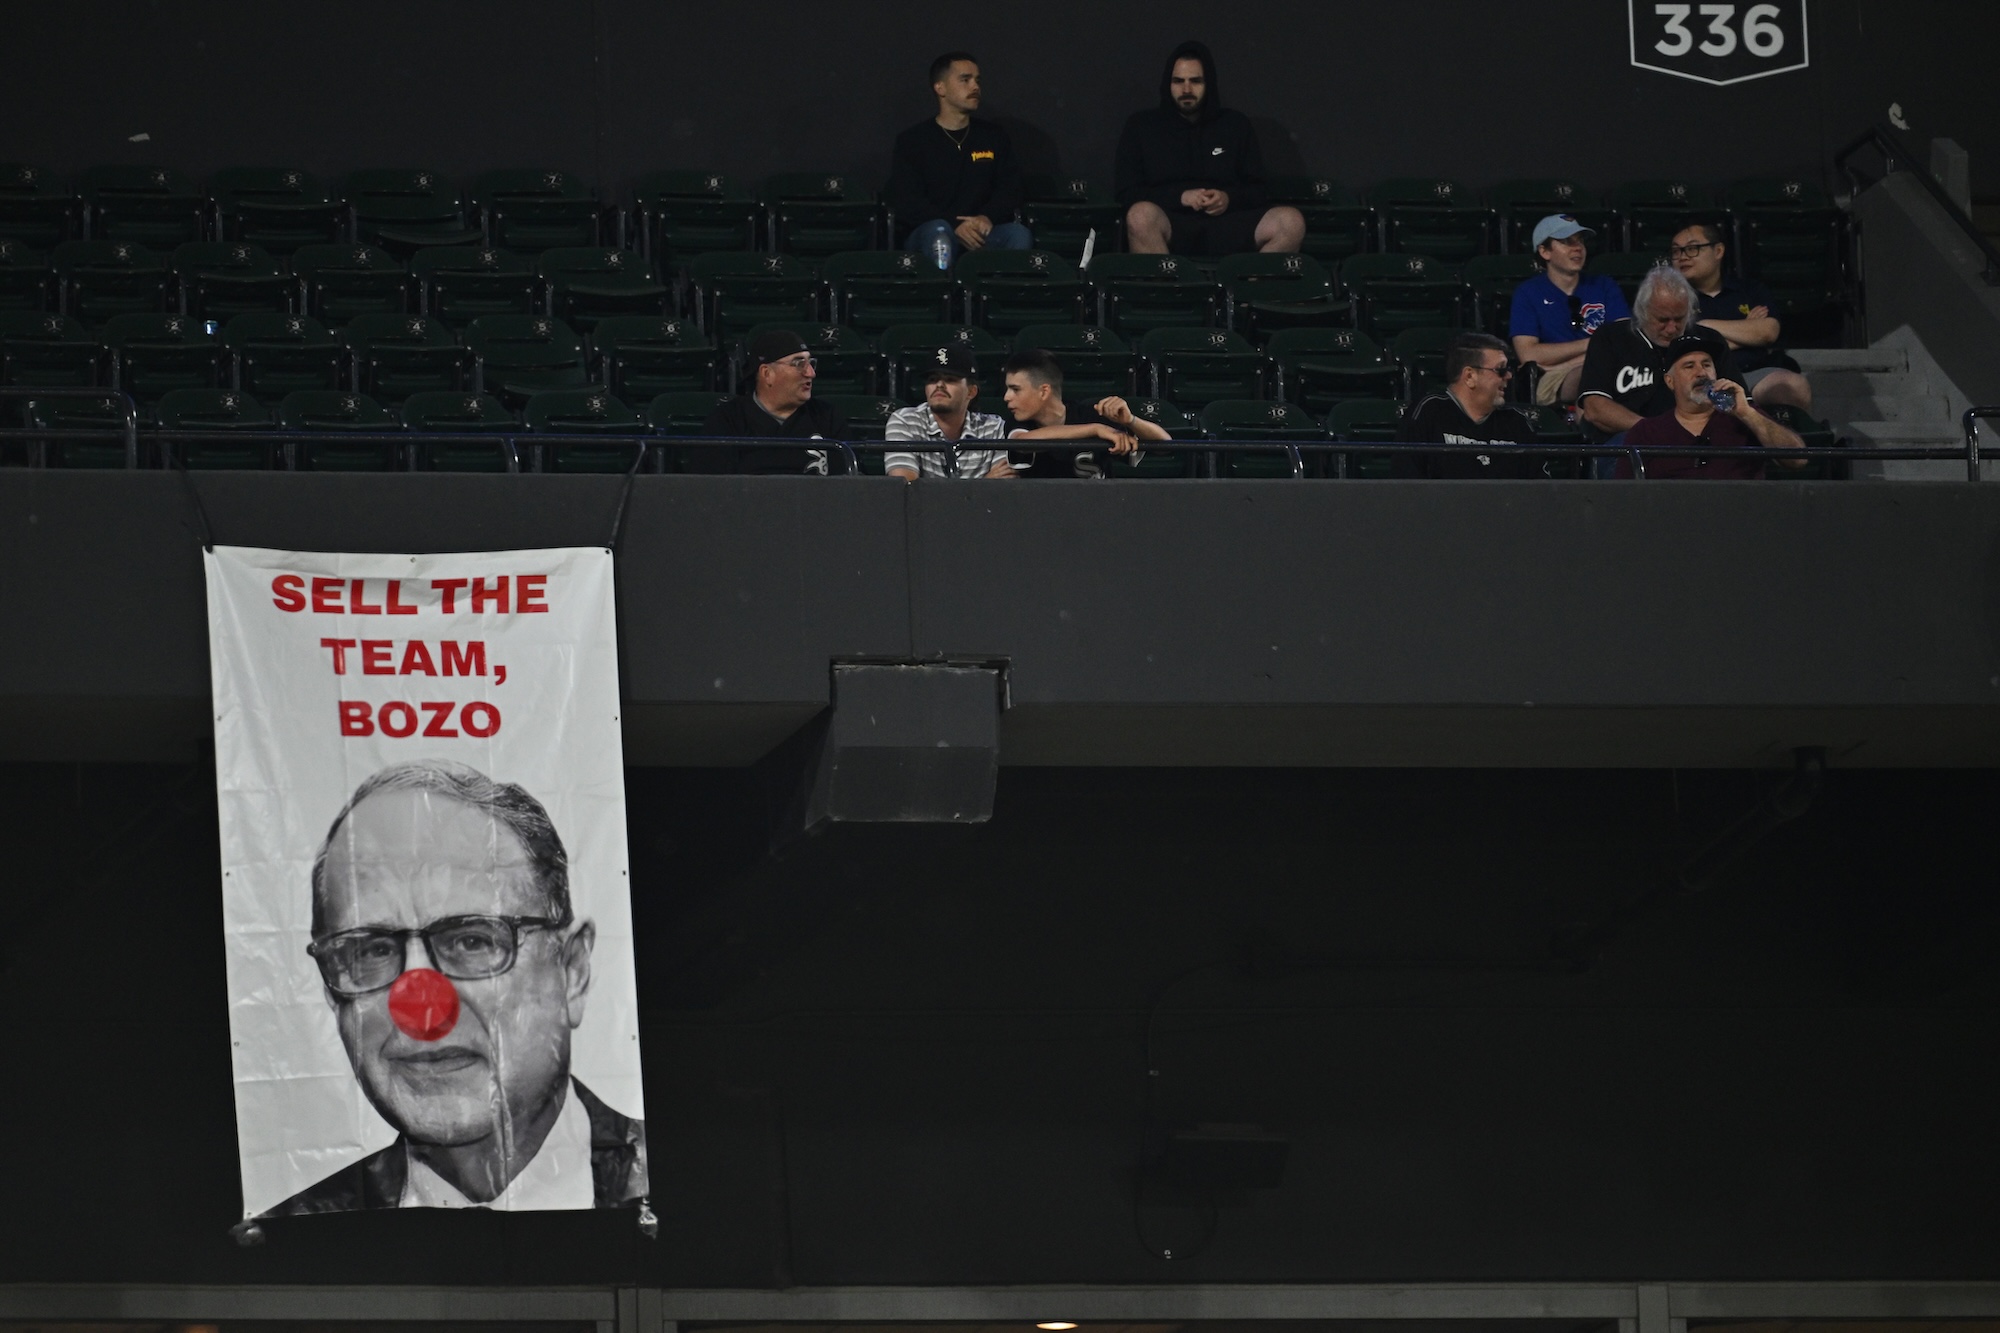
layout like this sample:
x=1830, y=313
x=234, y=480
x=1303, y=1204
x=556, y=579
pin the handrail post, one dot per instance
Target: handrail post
x=1298, y=462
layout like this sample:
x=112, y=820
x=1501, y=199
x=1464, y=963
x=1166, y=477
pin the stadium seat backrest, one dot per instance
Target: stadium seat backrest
x=334, y=409
x=344, y=258
x=1176, y=421
x=383, y=329
x=1258, y=419
x=749, y=264
x=467, y=259
x=620, y=331
x=114, y=256
x=571, y=261
x=456, y=411
x=1207, y=342
x=275, y=329
x=681, y=184
x=1422, y=191
x=534, y=335
x=1343, y=345
x=1374, y=419
x=207, y=408
x=41, y=326
x=573, y=410
x=129, y=330
x=1071, y=338
x=1030, y=265
x=233, y=258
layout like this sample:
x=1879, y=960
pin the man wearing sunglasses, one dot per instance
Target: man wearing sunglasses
x=457, y=972
x=1469, y=410
x=1556, y=311
x=777, y=402
x=1744, y=313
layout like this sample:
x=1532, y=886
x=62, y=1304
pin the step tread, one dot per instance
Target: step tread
x=1850, y=358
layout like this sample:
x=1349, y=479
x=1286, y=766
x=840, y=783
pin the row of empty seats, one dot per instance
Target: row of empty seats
x=1788, y=232
x=98, y=430
x=390, y=357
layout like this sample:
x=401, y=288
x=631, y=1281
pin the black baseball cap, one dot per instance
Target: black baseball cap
x=775, y=345
x=1706, y=340
x=949, y=359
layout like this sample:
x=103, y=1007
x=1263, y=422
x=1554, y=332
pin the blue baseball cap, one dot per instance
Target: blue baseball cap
x=1560, y=227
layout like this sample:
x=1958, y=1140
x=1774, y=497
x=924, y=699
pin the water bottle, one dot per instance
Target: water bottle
x=1724, y=399
x=941, y=250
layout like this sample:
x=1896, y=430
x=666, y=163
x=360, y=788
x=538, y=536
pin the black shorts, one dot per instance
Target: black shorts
x=1199, y=234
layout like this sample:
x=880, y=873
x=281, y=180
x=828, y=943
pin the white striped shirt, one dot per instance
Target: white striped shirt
x=920, y=423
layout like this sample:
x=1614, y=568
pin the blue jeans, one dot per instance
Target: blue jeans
x=1004, y=236
x=1606, y=469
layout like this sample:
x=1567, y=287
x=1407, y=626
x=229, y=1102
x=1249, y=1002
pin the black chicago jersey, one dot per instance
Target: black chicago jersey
x=1624, y=366
x=1439, y=419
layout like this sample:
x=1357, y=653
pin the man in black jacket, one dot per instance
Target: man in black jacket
x=1189, y=173
x=778, y=402
x=955, y=183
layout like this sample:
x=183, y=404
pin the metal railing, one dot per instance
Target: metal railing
x=527, y=451
x=1896, y=153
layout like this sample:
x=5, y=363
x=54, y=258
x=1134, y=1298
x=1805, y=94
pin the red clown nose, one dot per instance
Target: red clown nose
x=424, y=1004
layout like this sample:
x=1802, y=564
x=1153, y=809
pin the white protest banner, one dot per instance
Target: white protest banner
x=426, y=899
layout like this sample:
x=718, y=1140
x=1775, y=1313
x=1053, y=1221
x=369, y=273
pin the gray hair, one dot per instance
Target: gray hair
x=511, y=805
x=1664, y=280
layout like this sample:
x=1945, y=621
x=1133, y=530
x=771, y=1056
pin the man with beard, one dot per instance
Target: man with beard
x=1189, y=173
x=1698, y=420
x=955, y=183
x=946, y=418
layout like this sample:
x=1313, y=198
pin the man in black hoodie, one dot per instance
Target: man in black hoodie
x=1189, y=173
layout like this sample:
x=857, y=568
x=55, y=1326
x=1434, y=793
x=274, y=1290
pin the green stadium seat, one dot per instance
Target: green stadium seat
x=1654, y=210
x=36, y=208
x=1195, y=367
x=459, y=283
x=1420, y=352
x=1366, y=420
x=1096, y=363
x=151, y=206
x=870, y=290
x=732, y=291
x=394, y=356
x=403, y=210
x=639, y=357
x=1520, y=204
x=326, y=411
x=684, y=411
x=97, y=280
x=1338, y=224
x=1490, y=281
x=1229, y=419
x=1627, y=270
x=1007, y=290
x=152, y=355
x=42, y=349
x=1263, y=293
x=588, y=283
x=685, y=213
x=278, y=208
x=111, y=412
x=586, y=412
x=822, y=213
x=908, y=348
x=1154, y=463
x=1427, y=216
x=27, y=283
x=1062, y=211
x=216, y=410
x=339, y=282
x=529, y=211
x=1317, y=368
x=1817, y=434
x=845, y=362
x=520, y=355
x=273, y=355
x=1553, y=426
x=1393, y=292
x=1139, y=293
x=473, y=414
x=867, y=420
x=1790, y=237
x=220, y=280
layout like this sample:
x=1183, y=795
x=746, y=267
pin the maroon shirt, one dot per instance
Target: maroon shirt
x=1722, y=432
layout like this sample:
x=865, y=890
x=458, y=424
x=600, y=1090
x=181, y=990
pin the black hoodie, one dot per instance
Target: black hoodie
x=1163, y=154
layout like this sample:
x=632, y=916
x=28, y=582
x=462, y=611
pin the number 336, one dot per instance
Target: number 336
x=1761, y=37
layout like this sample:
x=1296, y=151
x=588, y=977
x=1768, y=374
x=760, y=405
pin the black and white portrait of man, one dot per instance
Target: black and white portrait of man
x=458, y=972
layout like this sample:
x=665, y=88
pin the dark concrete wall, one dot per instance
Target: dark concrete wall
x=1480, y=92
x=1317, y=623
x=916, y=1056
